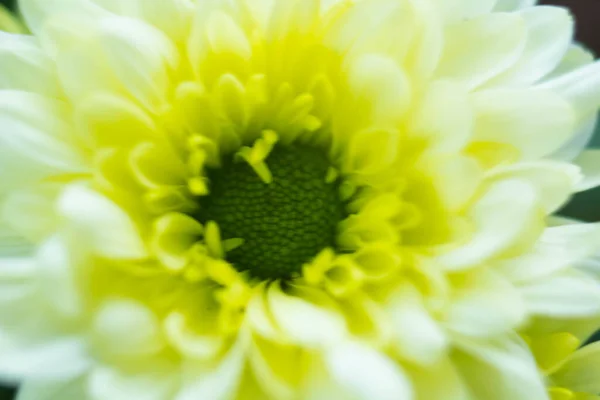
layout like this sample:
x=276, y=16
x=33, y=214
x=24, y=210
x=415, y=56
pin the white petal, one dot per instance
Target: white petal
x=35, y=139
x=24, y=66
x=581, y=372
x=382, y=84
x=366, y=373
x=106, y=227
x=579, y=140
x=109, y=384
x=485, y=304
x=31, y=212
x=417, y=336
x=500, y=370
x=172, y=17
x=56, y=359
x=567, y=294
x=501, y=220
x=140, y=56
x=439, y=381
x=216, y=382
x=576, y=57
x=37, y=12
x=536, y=122
x=479, y=49
x=303, y=322
x=52, y=390
x=581, y=87
x=558, y=248
x=458, y=10
x=511, y=5
x=57, y=274
x=445, y=117
x=549, y=34
x=126, y=328
x=13, y=244
x=589, y=162
x=554, y=181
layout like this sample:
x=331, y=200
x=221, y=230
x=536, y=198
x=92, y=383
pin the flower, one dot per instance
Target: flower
x=290, y=199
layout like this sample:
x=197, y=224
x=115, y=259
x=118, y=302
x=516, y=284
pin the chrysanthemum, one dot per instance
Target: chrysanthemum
x=299, y=199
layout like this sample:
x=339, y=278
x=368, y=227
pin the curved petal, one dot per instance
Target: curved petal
x=108, y=229
x=108, y=384
x=549, y=35
x=52, y=390
x=24, y=66
x=567, y=294
x=36, y=140
x=500, y=370
x=581, y=371
x=536, y=122
x=481, y=48
x=589, y=162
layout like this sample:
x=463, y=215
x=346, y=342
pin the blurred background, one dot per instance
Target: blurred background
x=585, y=206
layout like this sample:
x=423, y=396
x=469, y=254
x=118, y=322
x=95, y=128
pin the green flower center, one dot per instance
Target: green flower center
x=283, y=224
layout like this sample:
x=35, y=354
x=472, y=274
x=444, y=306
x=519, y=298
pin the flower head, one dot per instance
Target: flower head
x=291, y=199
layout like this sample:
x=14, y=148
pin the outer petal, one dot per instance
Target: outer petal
x=24, y=66
x=536, y=122
x=581, y=372
x=36, y=140
x=500, y=370
x=549, y=34
x=589, y=162
x=568, y=294
x=479, y=49
x=361, y=373
x=108, y=229
x=108, y=384
x=501, y=220
x=52, y=390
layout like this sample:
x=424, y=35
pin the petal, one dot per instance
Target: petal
x=381, y=83
x=481, y=48
x=220, y=381
x=24, y=66
x=109, y=384
x=174, y=235
x=576, y=57
x=37, y=12
x=57, y=274
x=458, y=10
x=567, y=294
x=172, y=17
x=445, y=117
x=485, y=304
x=558, y=248
x=511, y=5
x=58, y=359
x=52, y=390
x=366, y=373
x=439, y=381
x=112, y=121
x=100, y=221
x=549, y=35
x=581, y=371
x=580, y=87
x=140, y=57
x=124, y=328
x=500, y=370
x=303, y=322
x=589, y=162
x=501, y=220
x=36, y=140
x=536, y=122
x=417, y=335
x=554, y=181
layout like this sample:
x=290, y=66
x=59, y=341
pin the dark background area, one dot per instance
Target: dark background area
x=585, y=206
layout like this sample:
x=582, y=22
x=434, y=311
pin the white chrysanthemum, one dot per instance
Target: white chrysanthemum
x=299, y=199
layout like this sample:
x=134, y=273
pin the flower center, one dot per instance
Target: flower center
x=284, y=223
